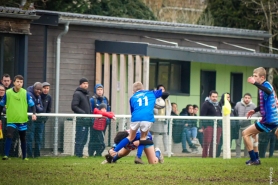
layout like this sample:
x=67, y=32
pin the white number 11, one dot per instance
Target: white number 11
x=140, y=101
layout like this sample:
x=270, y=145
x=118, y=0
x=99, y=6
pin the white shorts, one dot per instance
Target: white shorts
x=143, y=125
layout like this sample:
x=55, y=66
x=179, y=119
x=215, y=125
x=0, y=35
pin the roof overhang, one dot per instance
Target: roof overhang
x=212, y=56
x=156, y=26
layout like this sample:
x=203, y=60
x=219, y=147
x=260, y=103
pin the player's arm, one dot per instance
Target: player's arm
x=263, y=88
x=2, y=104
x=158, y=93
x=257, y=109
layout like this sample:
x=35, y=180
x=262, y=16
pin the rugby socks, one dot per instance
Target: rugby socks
x=157, y=154
x=252, y=155
x=122, y=144
x=257, y=155
x=140, y=151
x=8, y=144
x=115, y=158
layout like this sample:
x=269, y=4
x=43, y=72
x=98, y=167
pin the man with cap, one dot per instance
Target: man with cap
x=98, y=101
x=46, y=98
x=81, y=105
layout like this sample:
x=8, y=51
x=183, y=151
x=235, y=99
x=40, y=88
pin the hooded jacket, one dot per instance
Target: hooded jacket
x=80, y=103
x=241, y=109
x=208, y=109
x=37, y=100
x=97, y=100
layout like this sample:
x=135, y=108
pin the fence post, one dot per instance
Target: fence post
x=122, y=124
x=214, y=138
x=226, y=136
x=170, y=137
x=73, y=135
x=55, y=150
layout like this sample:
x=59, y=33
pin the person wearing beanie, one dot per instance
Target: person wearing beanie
x=96, y=143
x=80, y=104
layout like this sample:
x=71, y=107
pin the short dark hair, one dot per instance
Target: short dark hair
x=160, y=85
x=213, y=91
x=18, y=77
x=173, y=103
x=120, y=136
x=247, y=94
x=195, y=106
x=6, y=76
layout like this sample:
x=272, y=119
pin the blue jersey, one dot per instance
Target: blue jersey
x=268, y=107
x=142, y=104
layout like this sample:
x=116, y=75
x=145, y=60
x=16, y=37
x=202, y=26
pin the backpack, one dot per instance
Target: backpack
x=99, y=124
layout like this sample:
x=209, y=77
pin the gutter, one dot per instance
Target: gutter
x=57, y=85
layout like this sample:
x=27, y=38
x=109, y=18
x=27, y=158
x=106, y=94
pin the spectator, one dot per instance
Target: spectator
x=200, y=134
x=6, y=81
x=35, y=131
x=241, y=109
x=80, y=104
x=189, y=130
x=17, y=114
x=234, y=123
x=175, y=111
x=264, y=139
x=96, y=143
x=177, y=124
x=195, y=109
x=160, y=127
x=3, y=124
x=46, y=98
x=210, y=108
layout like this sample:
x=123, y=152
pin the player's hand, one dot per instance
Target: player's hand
x=250, y=113
x=136, y=143
x=186, y=124
x=114, y=118
x=112, y=152
x=251, y=80
x=34, y=117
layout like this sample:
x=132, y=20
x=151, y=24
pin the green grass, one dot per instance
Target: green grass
x=175, y=170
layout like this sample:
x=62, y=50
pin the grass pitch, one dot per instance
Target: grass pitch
x=175, y=170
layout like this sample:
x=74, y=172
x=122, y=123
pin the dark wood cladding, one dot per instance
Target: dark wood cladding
x=14, y=26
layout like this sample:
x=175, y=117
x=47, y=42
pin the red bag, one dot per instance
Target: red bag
x=99, y=124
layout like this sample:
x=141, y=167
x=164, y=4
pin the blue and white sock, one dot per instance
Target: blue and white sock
x=252, y=155
x=122, y=144
x=157, y=154
x=140, y=151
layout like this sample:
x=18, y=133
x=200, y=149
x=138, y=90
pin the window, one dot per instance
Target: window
x=236, y=86
x=174, y=75
x=7, y=53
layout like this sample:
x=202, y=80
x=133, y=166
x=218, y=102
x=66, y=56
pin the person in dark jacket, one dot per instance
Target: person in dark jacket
x=35, y=128
x=6, y=81
x=3, y=124
x=46, y=98
x=81, y=105
x=234, y=123
x=210, y=108
x=96, y=143
x=189, y=129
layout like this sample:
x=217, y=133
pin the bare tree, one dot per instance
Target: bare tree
x=268, y=9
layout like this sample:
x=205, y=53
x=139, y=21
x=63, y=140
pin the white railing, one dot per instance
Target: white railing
x=123, y=126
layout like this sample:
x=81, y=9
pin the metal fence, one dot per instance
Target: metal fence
x=60, y=132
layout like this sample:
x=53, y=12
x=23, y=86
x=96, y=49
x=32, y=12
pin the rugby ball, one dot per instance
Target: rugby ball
x=159, y=103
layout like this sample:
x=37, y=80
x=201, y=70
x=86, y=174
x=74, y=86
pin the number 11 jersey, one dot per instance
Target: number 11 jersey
x=142, y=104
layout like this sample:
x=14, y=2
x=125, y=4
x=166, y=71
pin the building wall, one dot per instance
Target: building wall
x=223, y=74
x=78, y=54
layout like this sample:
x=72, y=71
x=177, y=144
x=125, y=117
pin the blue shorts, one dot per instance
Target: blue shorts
x=18, y=126
x=148, y=146
x=265, y=127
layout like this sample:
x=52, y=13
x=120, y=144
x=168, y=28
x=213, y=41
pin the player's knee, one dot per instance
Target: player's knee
x=256, y=144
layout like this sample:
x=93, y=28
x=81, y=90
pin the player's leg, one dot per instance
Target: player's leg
x=10, y=133
x=251, y=131
x=154, y=155
x=276, y=132
x=133, y=128
x=22, y=128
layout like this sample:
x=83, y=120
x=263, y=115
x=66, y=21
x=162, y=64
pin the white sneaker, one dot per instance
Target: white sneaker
x=161, y=158
x=104, y=162
x=195, y=142
x=166, y=153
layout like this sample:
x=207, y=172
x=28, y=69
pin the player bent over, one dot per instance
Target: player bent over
x=268, y=112
x=141, y=107
x=154, y=155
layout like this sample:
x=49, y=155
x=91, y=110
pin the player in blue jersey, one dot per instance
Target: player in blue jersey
x=268, y=112
x=141, y=107
x=154, y=156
